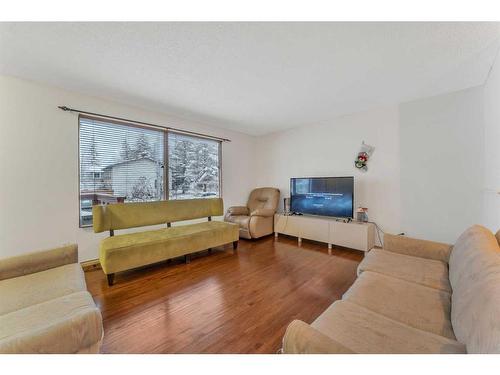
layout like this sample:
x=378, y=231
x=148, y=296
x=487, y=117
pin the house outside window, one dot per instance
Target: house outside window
x=120, y=162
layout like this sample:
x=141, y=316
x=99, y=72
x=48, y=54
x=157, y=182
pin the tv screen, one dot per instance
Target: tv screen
x=324, y=196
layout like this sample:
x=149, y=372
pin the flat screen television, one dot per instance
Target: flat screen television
x=323, y=196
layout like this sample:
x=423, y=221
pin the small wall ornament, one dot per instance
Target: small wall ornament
x=365, y=152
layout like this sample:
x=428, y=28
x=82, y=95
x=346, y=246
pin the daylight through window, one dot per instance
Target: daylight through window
x=125, y=163
x=193, y=167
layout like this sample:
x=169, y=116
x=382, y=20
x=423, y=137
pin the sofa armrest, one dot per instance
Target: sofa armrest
x=301, y=338
x=237, y=210
x=265, y=212
x=38, y=261
x=417, y=248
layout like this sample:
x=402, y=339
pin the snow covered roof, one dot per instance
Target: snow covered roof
x=131, y=161
x=93, y=168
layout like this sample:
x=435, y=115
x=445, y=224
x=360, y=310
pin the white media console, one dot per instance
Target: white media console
x=354, y=235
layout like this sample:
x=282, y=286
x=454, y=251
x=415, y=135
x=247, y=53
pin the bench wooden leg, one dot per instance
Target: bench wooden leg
x=187, y=258
x=111, y=279
x=235, y=245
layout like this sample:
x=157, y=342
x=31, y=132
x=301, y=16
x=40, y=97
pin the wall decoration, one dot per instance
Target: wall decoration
x=365, y=152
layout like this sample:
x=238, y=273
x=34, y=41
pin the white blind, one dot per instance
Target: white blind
x=118, y=163
x=125, y=163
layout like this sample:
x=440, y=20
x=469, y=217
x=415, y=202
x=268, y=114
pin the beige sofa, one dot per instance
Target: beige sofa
x=256, y=219
x=414, y=296
x=45, y=306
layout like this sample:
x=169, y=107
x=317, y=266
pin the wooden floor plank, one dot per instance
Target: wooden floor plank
x=222, y=302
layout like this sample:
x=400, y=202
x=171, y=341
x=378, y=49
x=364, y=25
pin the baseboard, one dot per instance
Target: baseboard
x=91, y=265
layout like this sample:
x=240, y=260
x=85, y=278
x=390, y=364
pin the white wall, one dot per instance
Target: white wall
x=39, y=165
x=491, y=193
x=435, y=169
x=330, y=150
x=442, y=164
x=426, y=177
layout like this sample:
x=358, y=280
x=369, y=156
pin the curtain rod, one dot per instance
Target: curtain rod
x=67, y=109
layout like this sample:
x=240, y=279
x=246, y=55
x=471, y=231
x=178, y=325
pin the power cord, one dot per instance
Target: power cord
x=378, y=232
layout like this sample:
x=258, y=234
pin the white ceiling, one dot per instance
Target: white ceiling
x=252, y=77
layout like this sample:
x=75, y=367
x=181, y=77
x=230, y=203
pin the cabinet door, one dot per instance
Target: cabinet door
x=351, y=235
x=314, y=229
x=287, y=225
x=279, y=223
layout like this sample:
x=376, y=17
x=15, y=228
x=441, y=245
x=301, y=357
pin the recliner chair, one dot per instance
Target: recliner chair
x=256, y=219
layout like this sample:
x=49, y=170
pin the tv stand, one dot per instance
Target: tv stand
x=354, y=234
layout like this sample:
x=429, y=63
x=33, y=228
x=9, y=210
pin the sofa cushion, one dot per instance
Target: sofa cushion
x=266, y=197
x=23, y=291
x=301, y=338
x=133, y=250
x=417, y=248
x=428, y=272
x=474, y=255
x=475, y=279
x=476, y=316
x=38, y=261
x=413, y=304
x=364, y=331
x=67, y=324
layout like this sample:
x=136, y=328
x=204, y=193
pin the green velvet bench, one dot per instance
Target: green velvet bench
x=127, y=251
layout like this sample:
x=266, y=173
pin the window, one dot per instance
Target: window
x=193, y=167
x=125, y=163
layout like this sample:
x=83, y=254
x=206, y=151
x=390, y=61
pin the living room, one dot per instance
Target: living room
x=250, y=187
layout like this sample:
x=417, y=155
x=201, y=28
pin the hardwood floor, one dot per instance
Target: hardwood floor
x=222, y=302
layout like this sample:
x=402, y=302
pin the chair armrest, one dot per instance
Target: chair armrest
x=301, y=338
x=265, y=212
x=417, y=248
x=38, y=261
x=237, y=210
